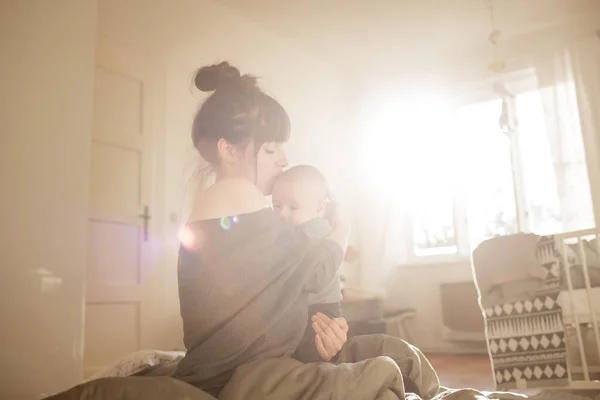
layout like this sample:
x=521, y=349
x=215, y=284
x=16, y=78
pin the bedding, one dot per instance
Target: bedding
x=139, y=362
x=133, y=388
x=590, y=349
x=526, y=289
x=497, y=260
x=355, y=375
x=573, y=255
x=162, y=388
x=578, y=280
x=508, y=269
x=590, y=250
x=579, y=301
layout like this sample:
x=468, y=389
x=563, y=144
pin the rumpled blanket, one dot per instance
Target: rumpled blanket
x=367, y=368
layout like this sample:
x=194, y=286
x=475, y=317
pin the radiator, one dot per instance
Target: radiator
x=461, y=316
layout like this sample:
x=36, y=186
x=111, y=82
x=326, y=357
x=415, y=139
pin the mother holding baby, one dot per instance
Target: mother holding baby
x=249, y=273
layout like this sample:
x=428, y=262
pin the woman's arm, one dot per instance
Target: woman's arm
x=330, y=335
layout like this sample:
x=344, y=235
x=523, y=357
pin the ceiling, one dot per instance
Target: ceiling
x=385, y=34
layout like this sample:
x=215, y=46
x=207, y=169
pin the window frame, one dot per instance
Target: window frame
x=516, y=83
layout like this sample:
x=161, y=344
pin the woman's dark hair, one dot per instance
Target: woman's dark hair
x=237, y=111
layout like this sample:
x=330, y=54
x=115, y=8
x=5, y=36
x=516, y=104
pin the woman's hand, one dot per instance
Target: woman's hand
x=330, y=335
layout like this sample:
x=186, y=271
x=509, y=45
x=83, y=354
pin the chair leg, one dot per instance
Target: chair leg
x=402, y=327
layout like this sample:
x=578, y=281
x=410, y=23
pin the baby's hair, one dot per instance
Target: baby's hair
x=309, y=175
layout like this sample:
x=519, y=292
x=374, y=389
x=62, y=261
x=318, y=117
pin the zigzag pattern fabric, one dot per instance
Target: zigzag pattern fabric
x=526, y=339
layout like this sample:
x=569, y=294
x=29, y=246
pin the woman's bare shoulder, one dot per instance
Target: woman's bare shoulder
x=228, y=197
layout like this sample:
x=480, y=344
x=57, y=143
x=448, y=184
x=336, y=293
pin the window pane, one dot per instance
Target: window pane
x=431, y=188
x=541, y=196
x=486, y=172
x=433, y=221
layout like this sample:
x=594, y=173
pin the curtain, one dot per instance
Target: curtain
x=586, y=65
x=382, y=238
x=566, y=80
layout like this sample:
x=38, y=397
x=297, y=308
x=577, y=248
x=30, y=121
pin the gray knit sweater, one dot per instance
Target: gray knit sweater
x=244, y=290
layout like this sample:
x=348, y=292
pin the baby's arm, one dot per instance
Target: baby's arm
x=324, y=260
x=325, y=257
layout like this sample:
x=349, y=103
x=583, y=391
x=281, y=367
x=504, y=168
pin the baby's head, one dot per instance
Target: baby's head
x=301, y=194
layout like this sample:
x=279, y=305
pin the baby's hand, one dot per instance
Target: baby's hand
x=335, y=212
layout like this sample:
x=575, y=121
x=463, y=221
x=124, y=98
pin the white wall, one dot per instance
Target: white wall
x=47, y=73
x=187, y=34
x=418, y=287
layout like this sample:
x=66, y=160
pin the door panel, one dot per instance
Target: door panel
x=119, y=295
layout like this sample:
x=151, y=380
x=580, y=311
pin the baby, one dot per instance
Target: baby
x=300, y=196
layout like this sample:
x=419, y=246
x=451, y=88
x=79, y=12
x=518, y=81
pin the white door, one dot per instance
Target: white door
x=119, y=299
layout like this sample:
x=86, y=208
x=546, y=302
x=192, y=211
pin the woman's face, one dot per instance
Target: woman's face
x=270, y=162
x=262, y=168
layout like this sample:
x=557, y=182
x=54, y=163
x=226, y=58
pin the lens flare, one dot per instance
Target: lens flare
x=187, y=237
x=226, y=223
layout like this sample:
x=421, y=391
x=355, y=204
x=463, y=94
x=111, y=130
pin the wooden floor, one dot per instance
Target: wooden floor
x=475, y=371
x=463, y=371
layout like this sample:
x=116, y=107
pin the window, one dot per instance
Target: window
x=487, y=172
x=480, y=181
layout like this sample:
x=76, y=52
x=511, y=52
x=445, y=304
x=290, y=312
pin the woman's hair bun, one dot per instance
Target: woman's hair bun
x=216, y=76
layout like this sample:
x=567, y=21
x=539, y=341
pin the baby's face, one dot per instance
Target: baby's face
x=297, y=202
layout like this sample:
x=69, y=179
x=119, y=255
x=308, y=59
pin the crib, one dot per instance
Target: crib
x=549, y=336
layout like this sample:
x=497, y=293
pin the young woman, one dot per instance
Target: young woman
x=245, y=275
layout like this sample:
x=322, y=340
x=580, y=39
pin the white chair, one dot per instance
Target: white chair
x=399, y=323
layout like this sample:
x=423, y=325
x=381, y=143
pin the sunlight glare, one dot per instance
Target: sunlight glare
x=398, y=136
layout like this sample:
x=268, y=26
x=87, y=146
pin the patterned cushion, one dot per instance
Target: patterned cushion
x=526, y=339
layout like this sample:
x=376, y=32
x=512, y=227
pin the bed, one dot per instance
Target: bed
x=541, y=317
x=145, y=375
x=541, y=331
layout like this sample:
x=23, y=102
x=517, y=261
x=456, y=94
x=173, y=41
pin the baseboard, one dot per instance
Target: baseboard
x=454, y=349
x=452, y=335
